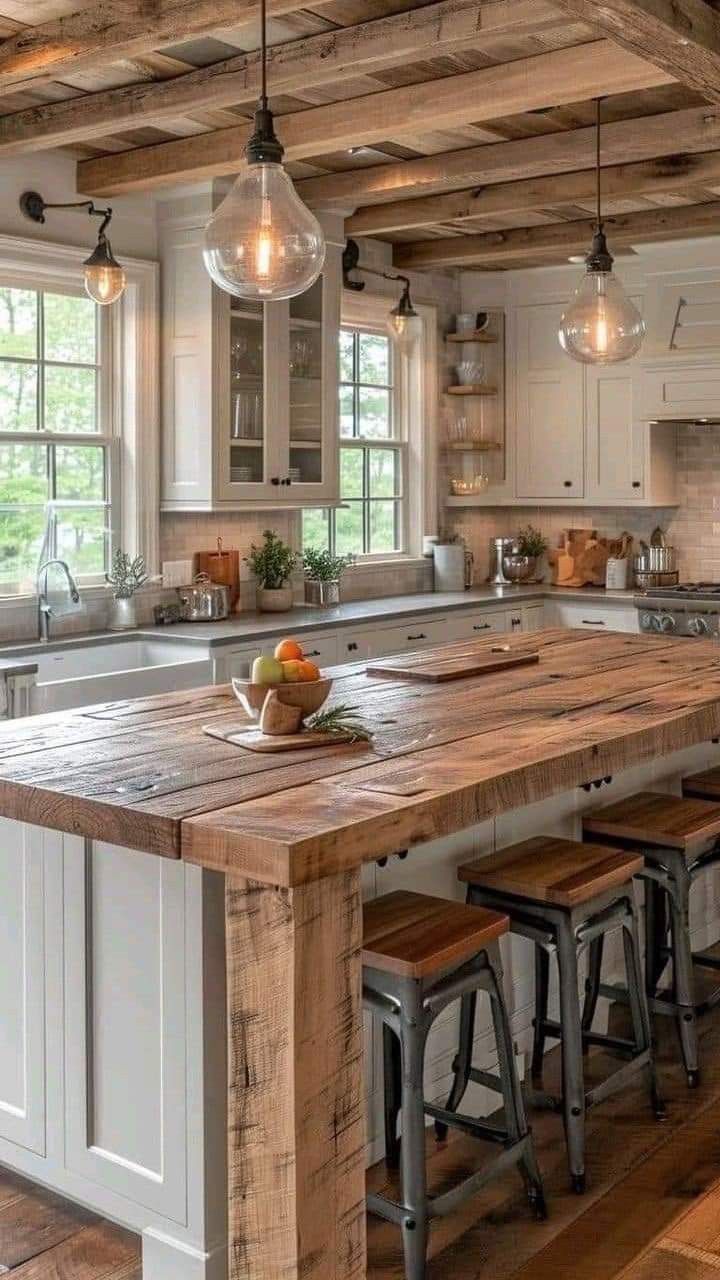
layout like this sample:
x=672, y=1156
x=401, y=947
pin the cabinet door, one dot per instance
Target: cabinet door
x=22, y=995
x=187, y=372
x=125, y=1023
x=549, y=408
x=676, y=392
x=615, y=434
x=533, y=617
x=247, y=398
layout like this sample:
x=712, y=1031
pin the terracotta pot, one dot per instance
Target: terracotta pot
x=274, y=599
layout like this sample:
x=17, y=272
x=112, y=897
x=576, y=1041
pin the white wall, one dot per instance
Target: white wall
x=53, y=174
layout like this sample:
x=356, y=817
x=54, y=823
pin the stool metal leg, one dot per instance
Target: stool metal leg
x=683, y=979
x=515, y=1118
x=463, y=1062
x=572, y=1054
x=656, y=929
x=392, y=1061
x=542, y=988
x=414, y=1225
x=592, y=983
x=638, y=1006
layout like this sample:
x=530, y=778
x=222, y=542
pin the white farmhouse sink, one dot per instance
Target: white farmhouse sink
x=88, y=673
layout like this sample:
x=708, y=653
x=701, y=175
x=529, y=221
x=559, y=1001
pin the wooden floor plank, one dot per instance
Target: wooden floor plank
x=97, y=1252
x=36, y=1221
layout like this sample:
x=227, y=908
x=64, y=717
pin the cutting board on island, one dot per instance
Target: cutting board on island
x=418, y=666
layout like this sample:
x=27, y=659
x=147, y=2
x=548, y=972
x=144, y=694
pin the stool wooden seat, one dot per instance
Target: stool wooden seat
x=549, y=869
x=650, y=819
x=705, y=785
x=415, y=936
x=679, y=838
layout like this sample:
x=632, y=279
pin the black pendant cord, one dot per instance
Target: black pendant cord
x=597, y=161
x=263, y=147
x=263, y=54
x=599, y=259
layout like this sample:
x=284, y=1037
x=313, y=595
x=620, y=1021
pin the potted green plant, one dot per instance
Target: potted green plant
x=323, y=572
x=272, y=564
x=125, y=576
x=531, y=543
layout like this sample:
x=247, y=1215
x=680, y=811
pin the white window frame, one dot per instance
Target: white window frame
x=415, y=401
x=130, y=413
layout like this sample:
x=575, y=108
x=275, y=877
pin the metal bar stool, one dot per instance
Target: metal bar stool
x=420, y=954
x=678, y=838
x=565, y=896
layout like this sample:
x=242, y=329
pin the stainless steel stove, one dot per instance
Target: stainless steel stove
x=689, y=609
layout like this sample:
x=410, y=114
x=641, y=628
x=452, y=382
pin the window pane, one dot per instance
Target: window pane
x=374, y=359
x=80, y=472
x=384, y=473
x=384, y=526
x=349, y=530
x=347, y=413
x=70, y=399
x=374, y=413
x=347, y=372
x=23, y=482
x=18, y=397
x=81, y=538
x=316, y=528
x=351, y=473
x=70, y=328
x=18, y=323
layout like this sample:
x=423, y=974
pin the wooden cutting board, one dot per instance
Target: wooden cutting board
x=254, y=739
x=437, y=670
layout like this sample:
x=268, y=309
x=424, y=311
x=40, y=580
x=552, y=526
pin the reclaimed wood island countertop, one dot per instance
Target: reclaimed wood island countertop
x=291, y=831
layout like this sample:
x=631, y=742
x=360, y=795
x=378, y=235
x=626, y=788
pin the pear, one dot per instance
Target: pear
x=267, y=670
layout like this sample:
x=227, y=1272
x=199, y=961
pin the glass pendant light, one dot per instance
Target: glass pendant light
x=262, y=242
x=601, y=325
x=403, y=323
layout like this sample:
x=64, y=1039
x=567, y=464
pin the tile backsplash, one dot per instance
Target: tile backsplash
x=693, y=527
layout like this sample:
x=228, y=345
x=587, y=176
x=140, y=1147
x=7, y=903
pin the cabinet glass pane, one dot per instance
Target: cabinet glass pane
x=247, y=407
x=306, y=461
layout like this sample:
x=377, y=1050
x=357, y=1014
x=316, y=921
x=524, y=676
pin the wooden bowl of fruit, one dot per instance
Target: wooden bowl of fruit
x=296, y=681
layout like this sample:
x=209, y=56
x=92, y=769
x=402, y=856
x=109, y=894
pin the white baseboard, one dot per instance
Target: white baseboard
x=164, y=1258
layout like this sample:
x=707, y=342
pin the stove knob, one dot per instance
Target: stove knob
x=647, y=622
x=666, y=622
x=698, y=626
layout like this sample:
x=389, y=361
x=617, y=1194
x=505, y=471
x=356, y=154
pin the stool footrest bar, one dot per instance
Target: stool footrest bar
x=467, y=1124
x=440, y=1205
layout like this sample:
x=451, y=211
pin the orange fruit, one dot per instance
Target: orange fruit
x=308, y=670
x=292, y=669
x=288, y=651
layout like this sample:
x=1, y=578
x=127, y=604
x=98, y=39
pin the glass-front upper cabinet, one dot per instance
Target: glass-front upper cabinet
x=250, y=388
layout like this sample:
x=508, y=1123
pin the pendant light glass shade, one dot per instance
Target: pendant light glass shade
x=262, y=241
x=601, y=325
x=403, y=323
x=104, y=277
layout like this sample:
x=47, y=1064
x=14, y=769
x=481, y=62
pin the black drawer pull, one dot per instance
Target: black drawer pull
x=420, y=636
x=352, y=647
x=568, y=484
x=516, y=622
x=482, y=626
x=588, y=622
x=636, y=484
x=313, y=653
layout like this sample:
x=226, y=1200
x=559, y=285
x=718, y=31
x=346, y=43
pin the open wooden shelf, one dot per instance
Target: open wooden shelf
x=475, y=336
x=473, y=389
x=473, y=446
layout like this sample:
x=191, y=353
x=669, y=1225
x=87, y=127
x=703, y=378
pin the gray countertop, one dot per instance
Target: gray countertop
x=249, y=626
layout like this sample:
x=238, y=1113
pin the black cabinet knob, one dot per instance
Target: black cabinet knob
x=568, y=484
x=352, y=647
x=636, y=484
x=275, y=480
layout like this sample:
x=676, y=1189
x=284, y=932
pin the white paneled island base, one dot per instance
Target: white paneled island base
x=113, y=992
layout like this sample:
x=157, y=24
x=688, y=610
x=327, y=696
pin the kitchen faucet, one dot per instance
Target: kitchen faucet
x=44, y=607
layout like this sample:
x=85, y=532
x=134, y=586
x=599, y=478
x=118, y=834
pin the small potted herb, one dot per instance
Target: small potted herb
x=272, y=564
x=322, y=576
x=125, y=576
x=531, y=543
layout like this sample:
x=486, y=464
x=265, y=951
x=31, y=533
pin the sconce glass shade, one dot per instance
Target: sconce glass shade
x=404, y=324
x=601, y=325
x=262, y=242
x=104, y=277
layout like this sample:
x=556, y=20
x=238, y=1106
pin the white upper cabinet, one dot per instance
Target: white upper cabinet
x=249, y=389
x=549, y=409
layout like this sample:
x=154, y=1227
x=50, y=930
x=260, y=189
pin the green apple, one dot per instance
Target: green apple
x=267, y=670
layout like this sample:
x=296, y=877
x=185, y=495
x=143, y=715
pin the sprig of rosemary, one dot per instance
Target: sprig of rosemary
x=340, y=719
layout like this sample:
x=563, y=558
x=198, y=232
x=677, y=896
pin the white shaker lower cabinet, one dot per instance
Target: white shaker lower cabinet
x=561, y=613
x=22, y=986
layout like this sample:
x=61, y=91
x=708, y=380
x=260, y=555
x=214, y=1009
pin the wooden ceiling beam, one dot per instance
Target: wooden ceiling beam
x=528, y=84
x=647, y=177
x=436, y=29
x=640, y=138
x=682, y=36
x=107, y=31
x=560, y=239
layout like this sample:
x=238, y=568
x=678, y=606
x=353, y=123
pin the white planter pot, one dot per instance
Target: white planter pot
x=274, y=600
x=123, y=615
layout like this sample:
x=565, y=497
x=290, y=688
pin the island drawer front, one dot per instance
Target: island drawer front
x=125, y=1023
x=22, y=986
